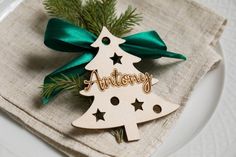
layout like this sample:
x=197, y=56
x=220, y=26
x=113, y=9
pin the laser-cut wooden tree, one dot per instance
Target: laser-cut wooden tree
x=119, y=106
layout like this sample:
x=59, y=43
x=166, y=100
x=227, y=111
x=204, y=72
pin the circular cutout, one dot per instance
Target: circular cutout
x=106, y=41
x=157, y=108
x=115, y=101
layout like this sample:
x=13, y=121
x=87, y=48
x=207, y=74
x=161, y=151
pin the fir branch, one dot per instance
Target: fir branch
x=61, y=83
x=69, y=10
x=94, y=14
x=118, y=133
x=125, y=22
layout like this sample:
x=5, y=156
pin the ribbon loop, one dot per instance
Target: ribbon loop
x=63, y=36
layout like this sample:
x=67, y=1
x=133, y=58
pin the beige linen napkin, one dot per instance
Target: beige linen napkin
x=185, y=26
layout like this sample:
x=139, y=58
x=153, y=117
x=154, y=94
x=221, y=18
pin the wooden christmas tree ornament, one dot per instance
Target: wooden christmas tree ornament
x=122, y=94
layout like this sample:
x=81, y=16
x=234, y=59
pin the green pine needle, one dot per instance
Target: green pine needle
x=94, y=14
x=118, y=133
x=69, y=10
x=61, y=83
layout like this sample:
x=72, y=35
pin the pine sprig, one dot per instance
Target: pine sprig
x=69, y=10
x=94, y=14
x=62, y=83
x=118, y=133
x=125, y=22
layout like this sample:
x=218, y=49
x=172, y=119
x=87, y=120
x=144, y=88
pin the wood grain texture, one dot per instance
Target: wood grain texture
x=110, y=115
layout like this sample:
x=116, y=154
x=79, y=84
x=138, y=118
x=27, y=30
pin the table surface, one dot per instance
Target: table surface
x=217, y=139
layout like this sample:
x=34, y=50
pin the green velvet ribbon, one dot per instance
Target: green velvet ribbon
x=65, y=37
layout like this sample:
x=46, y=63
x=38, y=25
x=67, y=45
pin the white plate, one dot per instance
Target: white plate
x=199, y=109
x=17, y=142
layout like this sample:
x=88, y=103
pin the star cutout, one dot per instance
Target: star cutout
x=137, y=105
x=116, y=59
x=99, y=115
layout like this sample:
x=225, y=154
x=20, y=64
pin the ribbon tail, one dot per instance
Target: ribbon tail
x=171, y=55
x=150, y=53
x=74, y=68
x=148, y=45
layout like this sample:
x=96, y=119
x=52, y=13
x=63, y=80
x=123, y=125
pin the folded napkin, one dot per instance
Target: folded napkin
x=184, y=25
